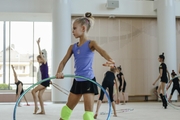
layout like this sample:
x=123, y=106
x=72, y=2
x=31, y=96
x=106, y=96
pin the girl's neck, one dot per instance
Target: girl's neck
x=82, y=40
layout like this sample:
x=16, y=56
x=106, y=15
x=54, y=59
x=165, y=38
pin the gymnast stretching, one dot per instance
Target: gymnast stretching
x=175, y=80
x=19, y=87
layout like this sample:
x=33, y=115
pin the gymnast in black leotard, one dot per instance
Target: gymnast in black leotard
x=122, y=81
x=19, y=86
x=108, y=82
x=163, y=72
x=175, y=82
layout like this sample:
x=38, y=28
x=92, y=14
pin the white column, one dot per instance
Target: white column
x=167, y=32
x=60, y=44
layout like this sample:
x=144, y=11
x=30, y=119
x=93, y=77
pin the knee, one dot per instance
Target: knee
x=88, y=115
x=39, y=96
x=66, y=113
x=33, y=92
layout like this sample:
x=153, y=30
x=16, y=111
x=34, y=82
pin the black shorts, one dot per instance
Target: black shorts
x=82, y=87
x=164, y=80
x=45, y=84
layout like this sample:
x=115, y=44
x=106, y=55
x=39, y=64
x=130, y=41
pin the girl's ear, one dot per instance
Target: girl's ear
x=83, y=28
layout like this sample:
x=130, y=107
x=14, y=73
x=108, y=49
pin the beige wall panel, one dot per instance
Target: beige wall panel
x=132, y=43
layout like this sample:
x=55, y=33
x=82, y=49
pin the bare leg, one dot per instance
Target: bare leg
x=38, y=88
x=19, y=86
x=114, y=109
x=15, y=74
x=88, y=102
x=169, y=100
x=41, y=101
x=26, y=100
x=123, y=98
x=163, y=87
x=35, y=102
x=97, y=108
x=18, y=94
x=159, y=89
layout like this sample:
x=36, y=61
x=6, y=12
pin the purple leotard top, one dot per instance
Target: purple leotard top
x=44, y=70
x=83, y=58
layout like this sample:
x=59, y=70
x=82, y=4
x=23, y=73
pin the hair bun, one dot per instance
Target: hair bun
x=163, y=54
x=173, y=73
x=88, y=15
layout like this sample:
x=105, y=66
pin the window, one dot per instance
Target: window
x=1, y=53
x=21, y=50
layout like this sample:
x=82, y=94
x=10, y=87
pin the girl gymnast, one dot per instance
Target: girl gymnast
x=122, y=86
x=19, y=87
x=163, y=71
x=108, y=82
x=83, y=52
x=41, y=87
x=175, y=80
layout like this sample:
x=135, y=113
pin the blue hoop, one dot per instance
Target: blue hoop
x=72, y=76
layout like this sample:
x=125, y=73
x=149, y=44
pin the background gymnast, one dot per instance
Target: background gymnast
x=175, y=80
x=19, y=87
x=41, y=87
x=163, y=72
x=108, y=82
x=122, y=85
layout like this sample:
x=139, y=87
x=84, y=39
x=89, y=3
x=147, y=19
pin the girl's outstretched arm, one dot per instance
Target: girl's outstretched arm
x=94, y=46
x=160, y=75
x=168, y=75
x=40, y=52
x=63, y=62
x=169, y=85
